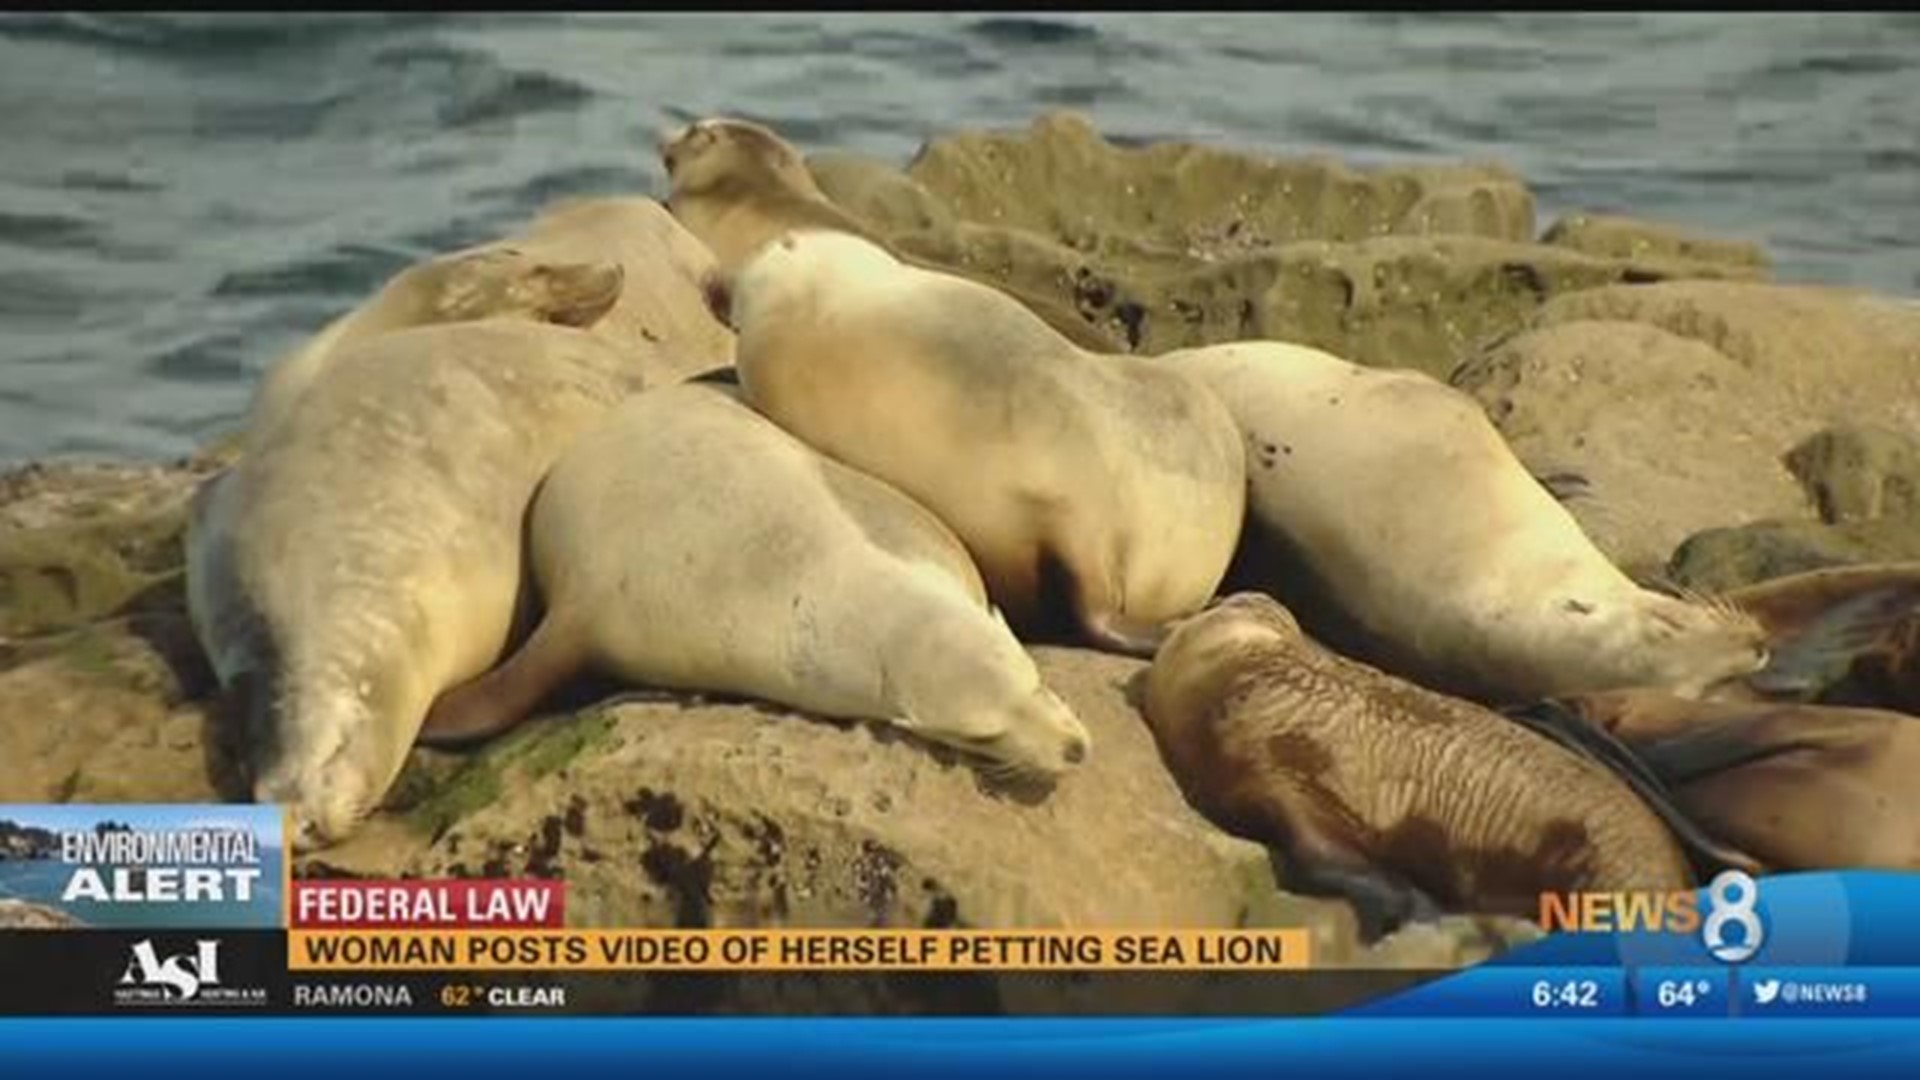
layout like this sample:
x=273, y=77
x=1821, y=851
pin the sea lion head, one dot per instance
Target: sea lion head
x=325, y=761
x=1697, y=643
x=505, y=281
x=1205, y=651
x=721, y=153
x=986, y=698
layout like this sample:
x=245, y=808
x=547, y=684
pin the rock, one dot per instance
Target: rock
x=81, y=542
x=1681, y=402
x=1719, y=559
x=877, y=193
x=20, y=915
x=1061, y=179
x=106, y=713
x=745, y=815
x=1857, y=473
x=1175, y=244
x=1646, y=241
x=1671, y=436
x=1844, y=356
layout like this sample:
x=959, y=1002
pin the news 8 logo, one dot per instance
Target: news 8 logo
x=1731, y=897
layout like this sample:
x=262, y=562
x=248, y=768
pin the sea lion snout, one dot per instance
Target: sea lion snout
x=1076, y=750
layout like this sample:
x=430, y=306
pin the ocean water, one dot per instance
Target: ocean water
x=183, y=197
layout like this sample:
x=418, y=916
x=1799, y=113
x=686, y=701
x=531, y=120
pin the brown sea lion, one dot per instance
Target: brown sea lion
x=1842, y=635
x=1797, y=787
x=1393, y=795
x=737, y=185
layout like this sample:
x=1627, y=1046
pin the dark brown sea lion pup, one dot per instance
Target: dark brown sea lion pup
x=1798, y=787
x=1372, y=787
x=737, y=184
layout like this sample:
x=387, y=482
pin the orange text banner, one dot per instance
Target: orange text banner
x=797, y=950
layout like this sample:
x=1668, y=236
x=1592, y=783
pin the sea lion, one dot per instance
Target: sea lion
x=493, y=281
x=688, y=543
x=661, y=310
x=1388, y=508
x=1841, y=635
x=1121, y=482
x=366, y=555
x=1402, y=799
x=737, y=185
x=1799, y=787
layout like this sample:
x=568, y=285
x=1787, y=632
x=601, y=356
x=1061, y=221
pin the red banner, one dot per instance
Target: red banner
x=450, y=904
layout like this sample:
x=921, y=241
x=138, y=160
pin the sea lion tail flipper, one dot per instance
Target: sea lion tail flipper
x=1648, y=778
x=1806, y=658
x=1112, y=630
x=1564, y=486
x=1720, y=744
x=485, y=706
x=725, y=375
x=1382, y=900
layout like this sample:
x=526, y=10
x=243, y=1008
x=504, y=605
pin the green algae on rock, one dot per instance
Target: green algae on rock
x=1174, y=244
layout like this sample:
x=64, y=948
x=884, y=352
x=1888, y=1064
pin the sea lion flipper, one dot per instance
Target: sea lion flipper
x=1811, y=654
x=1719, y=744
x=1382, y=900
x=1112, y=630
x=500, y=699
x=725, y=375
x=1564, y=486
x=1649, y=779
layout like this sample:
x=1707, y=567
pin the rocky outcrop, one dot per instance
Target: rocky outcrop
x=1856, y=473
x=1614, y=237
x=1699, y=405
x=1175, y=244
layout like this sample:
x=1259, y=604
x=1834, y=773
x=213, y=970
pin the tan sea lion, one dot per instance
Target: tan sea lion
x=1387, y=507
x=366, y=555
x=688, y=543
x=737, y=185
x=1398, y=797
x=661, y=310
x=1122, y=482
x=495, y=281
x=1799, y=787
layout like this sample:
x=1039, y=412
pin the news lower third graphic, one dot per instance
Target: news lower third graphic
x=120, y=908
x=130, y=866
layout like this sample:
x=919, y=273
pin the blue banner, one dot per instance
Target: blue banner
x=925, y=1049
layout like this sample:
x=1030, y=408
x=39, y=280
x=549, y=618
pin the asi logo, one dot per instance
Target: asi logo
x=1731, y=897
x=181, y=979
